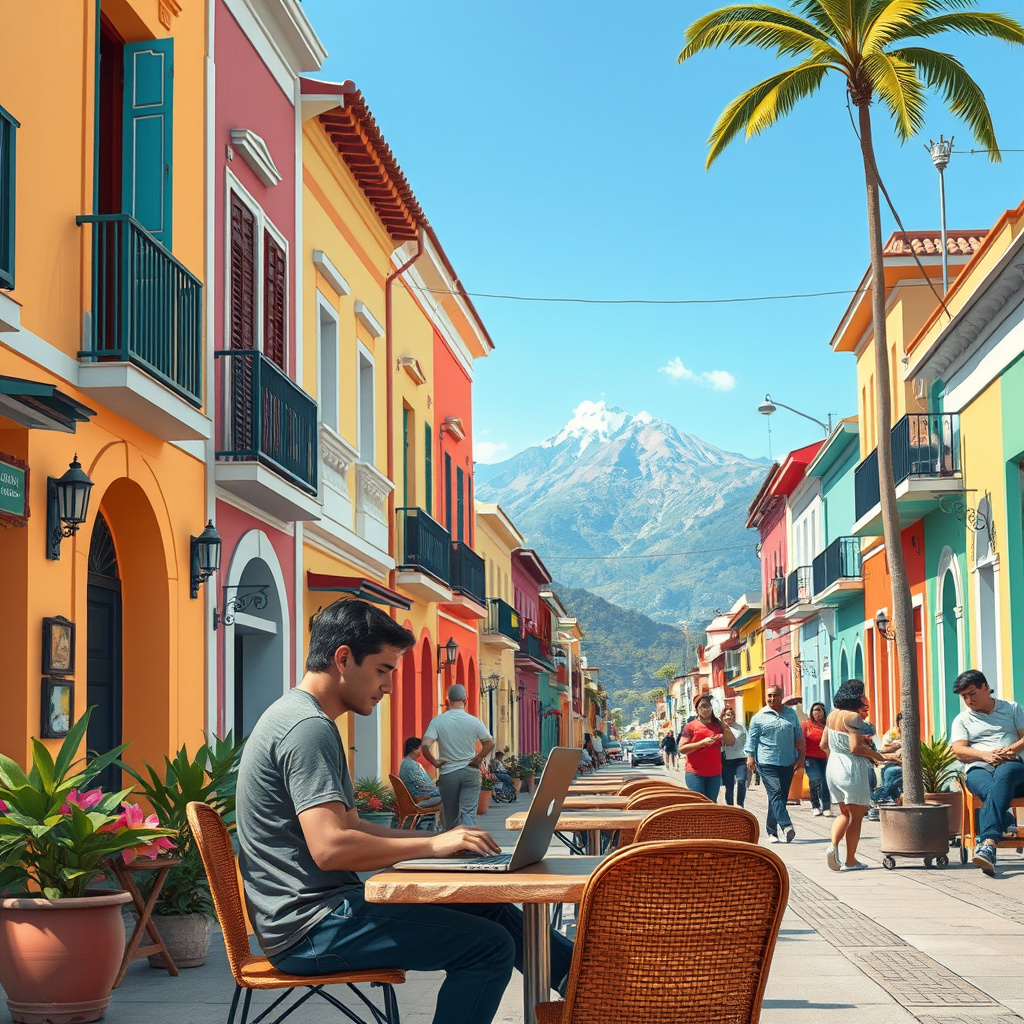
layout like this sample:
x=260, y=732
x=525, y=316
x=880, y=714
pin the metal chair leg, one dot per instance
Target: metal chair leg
x=234, y=1004
x=245, y=1005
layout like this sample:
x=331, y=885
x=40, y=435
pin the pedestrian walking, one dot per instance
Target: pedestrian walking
x=734, y=762
x=775, y=748
x=847, y=744
x=701, y=742
x=815, y=760
x=456, y=733
x=668, y=745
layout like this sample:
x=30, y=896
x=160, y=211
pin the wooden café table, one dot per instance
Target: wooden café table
x=552, y=880
x=584, y=802
x=593, y=823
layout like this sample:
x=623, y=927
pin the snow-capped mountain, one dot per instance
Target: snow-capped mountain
x=629, y=493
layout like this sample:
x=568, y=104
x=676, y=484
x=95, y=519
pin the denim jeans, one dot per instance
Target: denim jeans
x=997, y=789
x=709, y=785
x=734, y=770
x=777, y=779
x=460, y=793
x=892, y=784
x=815, y=768
x=476, y=945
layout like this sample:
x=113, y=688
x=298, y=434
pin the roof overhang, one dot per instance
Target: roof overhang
x=844, y=435
x=531, y=562
x=41, y=406
x=356, y=586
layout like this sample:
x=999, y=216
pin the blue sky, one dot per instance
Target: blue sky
x=558, y=150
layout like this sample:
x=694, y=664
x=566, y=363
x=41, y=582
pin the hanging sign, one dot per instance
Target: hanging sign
x=13, y=491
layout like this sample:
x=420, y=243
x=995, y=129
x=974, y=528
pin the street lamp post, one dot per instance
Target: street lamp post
x=769, y=405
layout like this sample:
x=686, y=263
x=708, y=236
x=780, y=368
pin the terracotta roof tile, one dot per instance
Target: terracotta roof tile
x=929, y=243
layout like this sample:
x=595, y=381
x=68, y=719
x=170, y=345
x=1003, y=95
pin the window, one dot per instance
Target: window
x=472, y=512
x=428, y=459
x=327, y=342
x=448, y=492
x=460, y=503
x=408, y=456
x=7, y=180
x=367, y=415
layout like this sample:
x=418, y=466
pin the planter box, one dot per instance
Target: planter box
x=385, y=818
x=955, y=802
x=484, y=802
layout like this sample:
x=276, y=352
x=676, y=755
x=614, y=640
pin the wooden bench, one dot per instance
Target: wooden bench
x=968, y=822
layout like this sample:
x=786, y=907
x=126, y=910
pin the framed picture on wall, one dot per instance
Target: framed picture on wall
x=58, y=646
x=58, y=707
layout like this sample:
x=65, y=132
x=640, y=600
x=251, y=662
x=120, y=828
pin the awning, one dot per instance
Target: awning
x=745, y=684
x=357, y=586
x=41, y=406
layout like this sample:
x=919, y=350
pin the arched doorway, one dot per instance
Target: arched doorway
x=986, y=564
x=950, y=639
x=858, y=664
x=844, y=666
x=104, y=652
x=425, y=704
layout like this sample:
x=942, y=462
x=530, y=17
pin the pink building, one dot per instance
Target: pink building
x=529, y=576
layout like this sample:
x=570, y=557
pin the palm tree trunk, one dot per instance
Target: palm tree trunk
x=902, y=612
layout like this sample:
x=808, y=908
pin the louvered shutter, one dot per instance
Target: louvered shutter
x=242, y=368
x=275, y=298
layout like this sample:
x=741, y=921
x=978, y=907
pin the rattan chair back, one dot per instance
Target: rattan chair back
x=407, y=812
x=642, y=954
x=699, y=821
x=649, y=799
x=637, y=784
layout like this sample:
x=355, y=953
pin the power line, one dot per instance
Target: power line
x=660, y=554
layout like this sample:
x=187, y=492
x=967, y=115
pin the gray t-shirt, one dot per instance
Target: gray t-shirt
x=456, y=733
x=734, y=752
x=293, y=760
x=988, y=732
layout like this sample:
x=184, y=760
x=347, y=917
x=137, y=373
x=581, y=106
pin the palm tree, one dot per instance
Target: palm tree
x=875, y=45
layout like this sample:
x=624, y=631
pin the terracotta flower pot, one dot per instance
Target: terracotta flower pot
x=59, y=958
x=955, y=802
x=187, y=938
x=384, y=818
x=484, y=802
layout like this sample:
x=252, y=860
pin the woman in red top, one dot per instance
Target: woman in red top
x=701, y=742
x=815, y=760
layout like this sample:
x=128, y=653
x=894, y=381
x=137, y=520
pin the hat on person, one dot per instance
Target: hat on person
x=456, y=692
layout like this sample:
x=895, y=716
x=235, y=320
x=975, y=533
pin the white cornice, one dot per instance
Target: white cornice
x=256, y=154
x=330, y=272
x=368, y=320
x=286, y=27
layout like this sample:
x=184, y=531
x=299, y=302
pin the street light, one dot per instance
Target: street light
x=769, y=405
x=450, y=651
x=940, y=152
x=882, y=625
x=205, y=557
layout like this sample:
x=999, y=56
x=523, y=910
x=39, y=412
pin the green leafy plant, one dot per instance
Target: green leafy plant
x=373, y=796
x=938, y=764
x=514, y=766
x=486, y=783
x=209, y=777
x=57, y=835
x=537, y=760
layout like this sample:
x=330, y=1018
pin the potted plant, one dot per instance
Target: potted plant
x=183, y=912
x=61, y=942
x=526, y=770
x=374, y=801
x=939, y=767
x=486, y=789
x=514, y=767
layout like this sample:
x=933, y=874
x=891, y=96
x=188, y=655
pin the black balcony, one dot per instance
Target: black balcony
x=426, y=546
x=839, y=562
x=538, y=649
x=799, y=585
x=467, y=572
x=268, y=418
x=502, y=618
x=147, y=309
x=775, y=596
x=925, y=446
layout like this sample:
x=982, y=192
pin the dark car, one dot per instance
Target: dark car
x=646, y=752
x=613, y=750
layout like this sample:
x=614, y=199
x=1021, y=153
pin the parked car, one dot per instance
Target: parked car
x=646, y=752
x=613, y=750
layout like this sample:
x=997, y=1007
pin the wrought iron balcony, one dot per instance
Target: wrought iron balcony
x=837, y=571
x=925, y=453
x=799, y=586
x=468, y=572
x=268, y=418
x=502, y=619
x=147, y=309
x=536, y=648
x=775, y=596
x=425, y=545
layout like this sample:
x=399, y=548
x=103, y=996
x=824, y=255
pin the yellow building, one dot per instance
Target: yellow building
x=102, y=357
x=744, y=664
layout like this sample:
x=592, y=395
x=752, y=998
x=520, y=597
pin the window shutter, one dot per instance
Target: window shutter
x=460, y=500
x=428, y=456
x=243, y=275
x=147, y=134
x=275, y=298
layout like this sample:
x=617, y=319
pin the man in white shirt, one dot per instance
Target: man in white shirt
x=988, y=736
x=456, y=734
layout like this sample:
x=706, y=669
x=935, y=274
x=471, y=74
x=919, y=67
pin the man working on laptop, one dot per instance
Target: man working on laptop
x=302, y=841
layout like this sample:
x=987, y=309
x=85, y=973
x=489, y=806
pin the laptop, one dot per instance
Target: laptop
x=538, y=828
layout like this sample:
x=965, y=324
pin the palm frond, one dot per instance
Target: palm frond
x=944, y=73
x=834, y=17
x=972, y=23
x=898, y=87
x=767, y=102
x=751, y=25
x=894, y=17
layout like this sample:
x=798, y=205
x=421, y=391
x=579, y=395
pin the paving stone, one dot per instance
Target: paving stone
x=915, y=979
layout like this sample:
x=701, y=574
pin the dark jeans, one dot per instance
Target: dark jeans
x=997, y=789
x=709, y=785
x=777, y=779
x=815, y=768
x=476, y=945
x=892, y=784
x=734, y=770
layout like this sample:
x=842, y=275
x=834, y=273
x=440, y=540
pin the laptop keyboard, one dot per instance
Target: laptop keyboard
x=490, y=859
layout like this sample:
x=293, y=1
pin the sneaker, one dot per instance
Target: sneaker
x=790, y=834
x=818, y=812
x=828, y=813
x=773, y=838
x=985, y=858
x=832, y=858
x=855, y=866
x=872, y=814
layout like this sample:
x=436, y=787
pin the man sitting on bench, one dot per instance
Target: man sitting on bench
x=988, y=736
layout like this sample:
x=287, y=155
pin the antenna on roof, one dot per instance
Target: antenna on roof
x=940, y=152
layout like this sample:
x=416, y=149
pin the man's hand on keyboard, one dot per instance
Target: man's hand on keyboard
x=461, y=842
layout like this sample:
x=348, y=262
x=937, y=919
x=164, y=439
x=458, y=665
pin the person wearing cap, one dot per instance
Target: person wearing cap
x=457, y=733
x=988, y=737
x=775, y=748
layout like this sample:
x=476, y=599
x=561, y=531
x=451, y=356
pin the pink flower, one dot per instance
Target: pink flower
x=132, y=818
x=3, y=807
x=90, y=798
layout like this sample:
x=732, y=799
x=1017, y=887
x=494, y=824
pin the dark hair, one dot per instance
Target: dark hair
x=411, y=744
x=818, y=704
x=899, y=717
x=972, y=677
x=849, y=696
x=360, y=627
x=711, y=704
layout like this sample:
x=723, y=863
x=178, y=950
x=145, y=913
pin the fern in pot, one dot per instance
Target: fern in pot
x=940, y=768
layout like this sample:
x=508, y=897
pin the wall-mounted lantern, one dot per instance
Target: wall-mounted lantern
x=205, y=552
x=67, y=505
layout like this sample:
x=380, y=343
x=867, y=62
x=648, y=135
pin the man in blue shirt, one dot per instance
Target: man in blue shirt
x=775, y=747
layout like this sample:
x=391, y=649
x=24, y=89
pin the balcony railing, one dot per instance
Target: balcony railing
x=775, y=596
x=799, y=585
x=839, y=561
x=502, y=618
x=268, y=418
x=426, y=545
x=8, y=129
x=536, y=647
x=923, y=445
x=468, y=572
x=147, y=309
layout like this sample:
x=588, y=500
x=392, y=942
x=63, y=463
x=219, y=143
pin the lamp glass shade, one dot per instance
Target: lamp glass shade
x=766, y=408
x=881, y=622
x=208, y=548
x=451, y=650
x=73, y=495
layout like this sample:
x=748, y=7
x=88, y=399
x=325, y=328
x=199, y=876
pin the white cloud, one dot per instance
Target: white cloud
x=489, y=451
x=717, y=380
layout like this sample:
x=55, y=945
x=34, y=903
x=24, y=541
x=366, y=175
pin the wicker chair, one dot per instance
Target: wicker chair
x=637, y=784
x=256, y=972
x=408, y=813
x=699, y=821
x=643, y=955
x=649, y=799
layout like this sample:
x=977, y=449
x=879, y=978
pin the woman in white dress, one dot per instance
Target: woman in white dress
x=848, y=773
